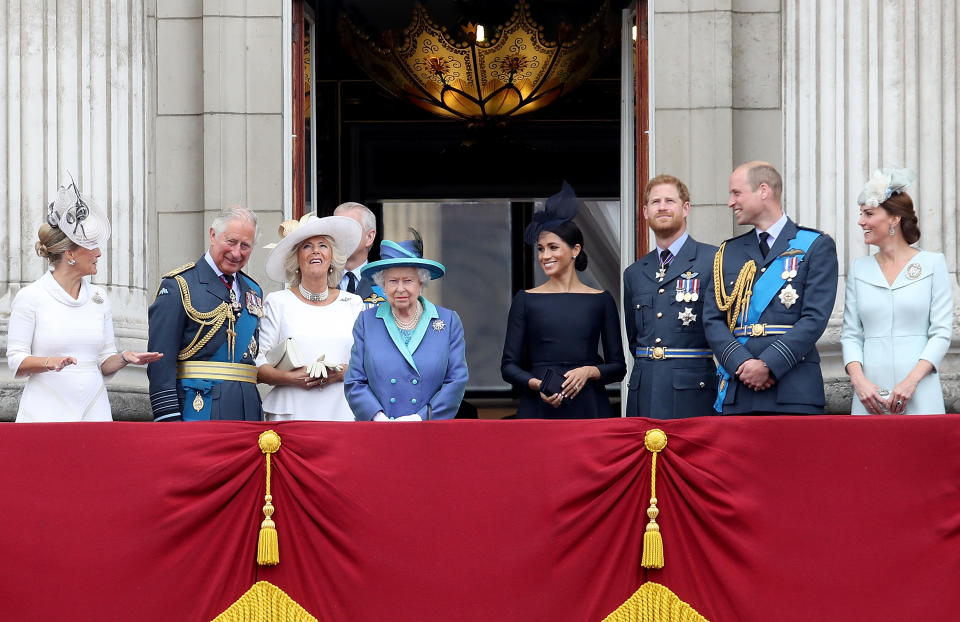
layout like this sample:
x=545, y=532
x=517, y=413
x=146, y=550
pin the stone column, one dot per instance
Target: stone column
x=867, y=84
x=73, y=98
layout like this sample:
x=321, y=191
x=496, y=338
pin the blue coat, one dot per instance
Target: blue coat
x=792, y=357
x=170, y=331
x=386, y=374
x=674, y=387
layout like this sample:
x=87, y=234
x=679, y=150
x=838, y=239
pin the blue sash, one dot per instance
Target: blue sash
x=764, y=290
x=245, y=326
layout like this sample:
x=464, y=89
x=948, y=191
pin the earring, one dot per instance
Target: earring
x=73, y=262
x=893, y=231
x=330, y=270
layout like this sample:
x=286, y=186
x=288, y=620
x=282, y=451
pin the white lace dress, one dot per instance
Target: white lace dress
x=46, y=321
x=326, y=330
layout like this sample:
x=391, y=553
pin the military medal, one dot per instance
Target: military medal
x=234, y=302
x=254, y=304
x=694, y=290
x=662, y=272
x=679, y=296
x=914, y=271
x=788, y=296
x=687, y=316
x=253, y=347
x=198, y=403
x=790, y=265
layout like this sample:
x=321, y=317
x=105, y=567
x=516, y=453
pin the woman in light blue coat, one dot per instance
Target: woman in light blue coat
x=408, y=360
x=898, y=312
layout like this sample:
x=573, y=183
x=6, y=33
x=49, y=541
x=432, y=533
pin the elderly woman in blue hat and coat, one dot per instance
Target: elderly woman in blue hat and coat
x=408, y=360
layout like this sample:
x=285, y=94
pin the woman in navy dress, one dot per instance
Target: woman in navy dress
x=560, y=324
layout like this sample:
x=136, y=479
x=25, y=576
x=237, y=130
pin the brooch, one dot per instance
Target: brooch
x=914, y=271
x=97, y=298
x=253, y=347
x=438, y=325
x=788, y=296
x=687, y=316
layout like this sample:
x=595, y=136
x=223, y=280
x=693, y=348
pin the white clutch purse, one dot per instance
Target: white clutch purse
x=286, y=355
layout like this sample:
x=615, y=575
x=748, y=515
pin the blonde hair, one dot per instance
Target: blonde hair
x=53, y=243
x=338, y=259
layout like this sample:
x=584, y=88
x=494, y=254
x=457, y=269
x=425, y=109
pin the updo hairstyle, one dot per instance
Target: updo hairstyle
x=571, y=234
x=900, y=204
x=53, y=243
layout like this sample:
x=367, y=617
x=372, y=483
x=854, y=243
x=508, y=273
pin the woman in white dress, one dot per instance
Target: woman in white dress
x=61, y=326
x=898, y=313
x=317, y=317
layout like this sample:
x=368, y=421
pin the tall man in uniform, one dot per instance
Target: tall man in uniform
x=206, y=321
x=352, y=281
x=772, y=295
x=663, y=296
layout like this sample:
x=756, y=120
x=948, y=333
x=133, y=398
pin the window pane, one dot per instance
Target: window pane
x=472, y=240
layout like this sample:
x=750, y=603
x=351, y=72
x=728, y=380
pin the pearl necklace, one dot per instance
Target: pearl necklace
x=410, y=324
x=311, y=296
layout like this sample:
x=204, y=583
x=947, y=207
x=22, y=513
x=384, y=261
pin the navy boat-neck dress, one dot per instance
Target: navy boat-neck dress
x=563, y=331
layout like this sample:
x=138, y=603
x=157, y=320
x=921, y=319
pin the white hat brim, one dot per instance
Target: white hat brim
x=345, y=233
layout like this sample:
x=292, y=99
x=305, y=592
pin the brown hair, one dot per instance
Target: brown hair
x=53, y=243
x=901, y=205
x=666, y=179
x=763, y=173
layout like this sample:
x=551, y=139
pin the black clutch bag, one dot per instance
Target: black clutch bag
x=551, y=383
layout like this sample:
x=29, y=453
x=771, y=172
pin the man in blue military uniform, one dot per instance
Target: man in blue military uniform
x=772, y=294
x=663, y=294
x=206, y=321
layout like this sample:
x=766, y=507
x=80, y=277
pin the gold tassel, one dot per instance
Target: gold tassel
x=268, y=549
x=655, y=440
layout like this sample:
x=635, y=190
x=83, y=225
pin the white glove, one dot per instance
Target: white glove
x=318, y=369
x=381, y=417
x=413, y=417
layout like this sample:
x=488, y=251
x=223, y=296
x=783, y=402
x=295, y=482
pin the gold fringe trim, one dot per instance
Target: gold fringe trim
x=654, y=603
x=268, y=548
x=262, y=603
x=655, y=441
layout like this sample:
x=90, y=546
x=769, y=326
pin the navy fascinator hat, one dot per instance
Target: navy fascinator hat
x=559, y=208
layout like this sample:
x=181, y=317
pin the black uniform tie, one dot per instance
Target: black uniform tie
x=764, y=247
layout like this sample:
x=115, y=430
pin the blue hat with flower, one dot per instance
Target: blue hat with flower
x=405, y=254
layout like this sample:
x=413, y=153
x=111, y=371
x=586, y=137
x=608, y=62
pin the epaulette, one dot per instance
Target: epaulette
x=172, y=274
x=177, y=271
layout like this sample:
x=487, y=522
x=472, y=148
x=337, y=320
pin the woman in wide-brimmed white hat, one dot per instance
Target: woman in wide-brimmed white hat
x=314, y=314
x=61, y=325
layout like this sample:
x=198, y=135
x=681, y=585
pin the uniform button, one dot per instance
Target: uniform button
x=414, y=381
x=657, y=340
x=638, y=306
x=245, y=355
x=703, y=384
x=763, y=269
x=803, y=358
x=661, y=290
x=413, y=400
x=659, y=314
x=393, y=381
x=393, y=400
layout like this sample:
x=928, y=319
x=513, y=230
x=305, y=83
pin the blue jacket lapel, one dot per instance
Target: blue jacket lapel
x=386, y=315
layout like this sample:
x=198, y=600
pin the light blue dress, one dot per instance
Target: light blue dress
x=888, y=328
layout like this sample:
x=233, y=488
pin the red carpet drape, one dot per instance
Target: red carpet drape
x=768, y=518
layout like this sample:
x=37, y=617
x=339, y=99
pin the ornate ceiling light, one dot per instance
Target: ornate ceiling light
x=515, y=72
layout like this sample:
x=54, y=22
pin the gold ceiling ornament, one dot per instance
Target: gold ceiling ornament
x=514, y=72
